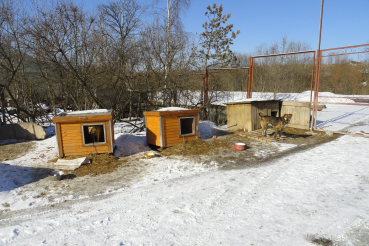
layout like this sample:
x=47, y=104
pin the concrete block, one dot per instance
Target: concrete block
x=29, y=131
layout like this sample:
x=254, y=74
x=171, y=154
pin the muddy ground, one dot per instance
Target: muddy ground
x=11, y=151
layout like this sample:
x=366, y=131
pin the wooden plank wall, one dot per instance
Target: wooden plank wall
x=267, y=107
x=70, y=138
x=153, y=130
x=300, y=114
x=246, y=116
x=238, y=117
x=171, y=131
x=72, y=141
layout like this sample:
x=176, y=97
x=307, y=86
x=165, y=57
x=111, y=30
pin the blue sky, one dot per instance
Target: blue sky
x=345, y=23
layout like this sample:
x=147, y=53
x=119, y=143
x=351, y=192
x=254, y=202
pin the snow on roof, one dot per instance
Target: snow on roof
x=92, y=111
x=172, y=109
x=250, y=100
x=85, y=113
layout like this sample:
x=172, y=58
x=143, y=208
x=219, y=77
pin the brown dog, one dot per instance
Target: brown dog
x=278, y=122
x=95, y=130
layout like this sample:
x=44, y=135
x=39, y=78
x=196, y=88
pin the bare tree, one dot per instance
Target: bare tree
x=120, y=24
x=284, y=73
x=62, y=33
x=173, y=10
x=13, y=54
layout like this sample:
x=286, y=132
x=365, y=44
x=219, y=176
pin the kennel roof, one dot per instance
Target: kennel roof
x=250, y=100
x=84, y=116
x=172, y=111
x=86, y=113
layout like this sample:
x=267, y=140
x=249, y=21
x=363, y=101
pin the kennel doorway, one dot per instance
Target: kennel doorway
x=93, y=134
x=171, y=127
x=186, y=126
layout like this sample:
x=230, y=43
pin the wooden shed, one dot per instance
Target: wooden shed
x=85, y=132
x=244, y=115
x=170, y=127
x=300, y=113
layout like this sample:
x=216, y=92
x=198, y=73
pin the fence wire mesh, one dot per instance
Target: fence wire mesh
x=343, y=97
x=284, y=75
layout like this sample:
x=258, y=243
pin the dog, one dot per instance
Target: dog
x=95, y=131
x=280, y=123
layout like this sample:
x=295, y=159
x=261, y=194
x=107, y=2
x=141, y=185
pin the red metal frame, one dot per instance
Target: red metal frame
x=348, y=50
x=251, y=69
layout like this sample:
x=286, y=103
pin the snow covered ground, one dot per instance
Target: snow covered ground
x=299, y=194
x=335, y=117
x=303, y=196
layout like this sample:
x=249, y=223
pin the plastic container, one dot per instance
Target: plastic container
x=150, y=155
x=239, y=146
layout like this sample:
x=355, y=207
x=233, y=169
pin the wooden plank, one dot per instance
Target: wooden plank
x=107, y=136
x=300, y=114
x=82, y=151
x=256, y=135
x=104, y=147
x=71, y=164
x=172, y=113
x=179, y=141
x=153, y=132
x=83, y=119
x=60, y=140
x=72, y=135
x=71, y=140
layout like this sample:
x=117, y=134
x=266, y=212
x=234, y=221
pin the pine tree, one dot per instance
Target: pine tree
x=215, y=43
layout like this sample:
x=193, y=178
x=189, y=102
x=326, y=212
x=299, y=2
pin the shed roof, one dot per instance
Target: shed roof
x=83, y=116
x=250, y=100
x=86, y=113
x=183, y=112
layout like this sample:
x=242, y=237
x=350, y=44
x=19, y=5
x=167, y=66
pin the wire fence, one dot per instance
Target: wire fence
x=342, y=101
x=337, y=79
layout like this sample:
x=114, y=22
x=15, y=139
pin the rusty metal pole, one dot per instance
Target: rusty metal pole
x=312, y=107
x=318, y=65
x=312, y=81
x=250, y=77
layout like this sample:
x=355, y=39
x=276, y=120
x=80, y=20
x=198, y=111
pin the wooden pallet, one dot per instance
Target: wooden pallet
x=268, y=139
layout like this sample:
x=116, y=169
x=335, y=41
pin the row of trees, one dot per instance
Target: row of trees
x=127, y=53
x=56, y=52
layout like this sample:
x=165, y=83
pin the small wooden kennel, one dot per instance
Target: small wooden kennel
x=244, y=115
x=169, y=128
x=85, y=132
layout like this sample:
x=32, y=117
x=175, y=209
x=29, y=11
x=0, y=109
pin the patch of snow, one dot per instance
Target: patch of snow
x=206, y=129
x=129, y=144
x=172, y=109
x=92, y=111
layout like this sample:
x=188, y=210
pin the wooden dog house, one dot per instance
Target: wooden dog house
x=85, y=132
x=171, y=126
x=244, y=115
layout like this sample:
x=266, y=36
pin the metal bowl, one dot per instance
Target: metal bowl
x=57, y=175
